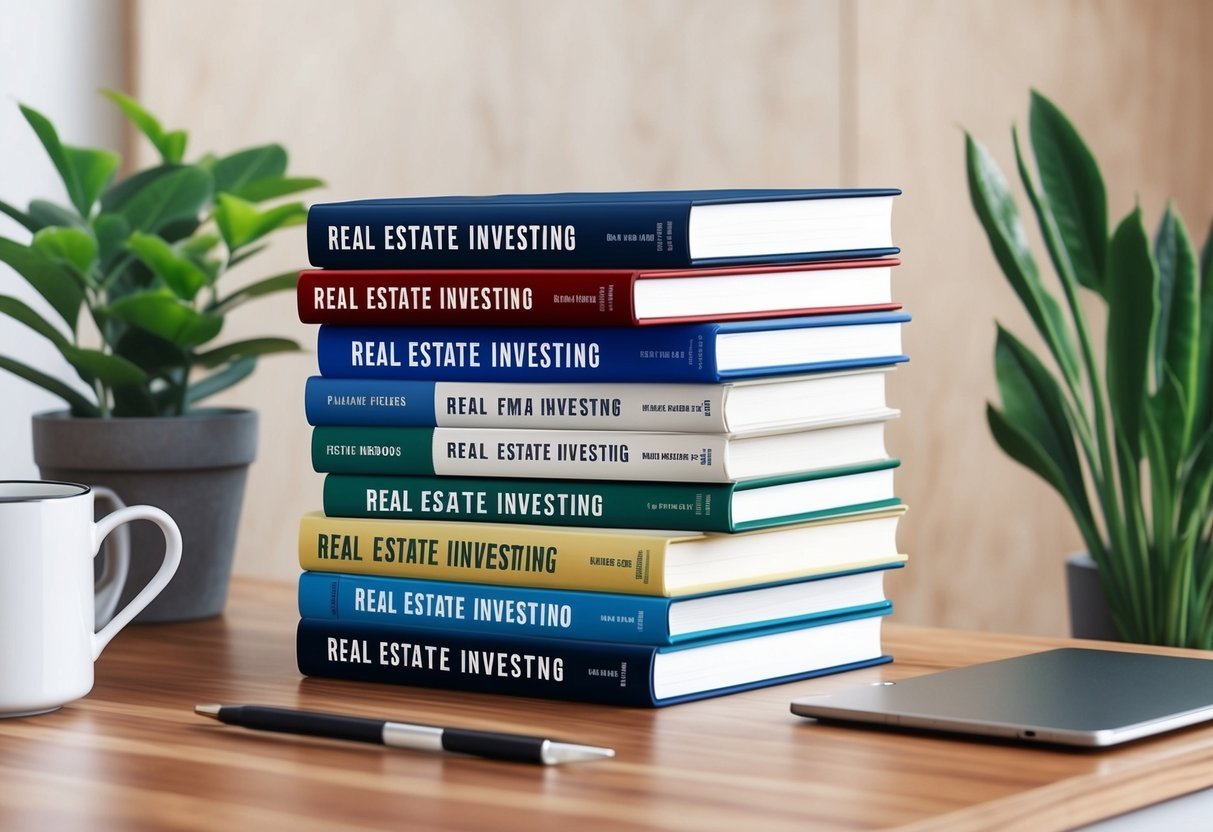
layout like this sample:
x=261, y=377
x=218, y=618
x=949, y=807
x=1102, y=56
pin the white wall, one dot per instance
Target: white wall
x=54, y=56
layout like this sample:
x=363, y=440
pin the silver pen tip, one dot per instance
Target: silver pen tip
x=208, y=710
x=567, y=752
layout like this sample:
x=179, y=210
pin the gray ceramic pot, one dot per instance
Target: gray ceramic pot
x=1089, y=616
x=194, y=467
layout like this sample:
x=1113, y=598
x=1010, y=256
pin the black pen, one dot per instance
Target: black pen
x=492, y=744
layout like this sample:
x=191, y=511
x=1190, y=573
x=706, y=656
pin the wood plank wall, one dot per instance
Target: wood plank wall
x=392, y=98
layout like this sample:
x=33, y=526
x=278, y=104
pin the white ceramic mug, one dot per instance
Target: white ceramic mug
x=48, y=541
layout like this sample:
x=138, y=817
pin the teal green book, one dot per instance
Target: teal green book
x=707, y=507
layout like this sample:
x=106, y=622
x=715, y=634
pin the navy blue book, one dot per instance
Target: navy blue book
x=607, y=672
x=591, y=616
x=703, y=352
x=636, y=229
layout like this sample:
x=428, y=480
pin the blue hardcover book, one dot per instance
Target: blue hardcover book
x=638, y=229
x=612, y=673
x=706, y=352
x=589, y=616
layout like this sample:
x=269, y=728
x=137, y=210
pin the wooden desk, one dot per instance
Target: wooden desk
x=133, y=755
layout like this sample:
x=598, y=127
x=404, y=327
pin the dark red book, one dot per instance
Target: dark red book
x=593, y=297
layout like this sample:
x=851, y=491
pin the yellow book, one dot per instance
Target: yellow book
x=636, y=562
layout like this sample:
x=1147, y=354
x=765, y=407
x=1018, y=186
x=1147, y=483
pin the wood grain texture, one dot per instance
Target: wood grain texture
x=385, y=98
x=986, y=537
x=132, y=755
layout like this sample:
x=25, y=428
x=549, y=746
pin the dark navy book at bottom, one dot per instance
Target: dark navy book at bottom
x=605, y=672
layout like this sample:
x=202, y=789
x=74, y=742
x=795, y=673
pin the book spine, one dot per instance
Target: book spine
x=524, y=235
x=484, y=608
x=592, y=503
x=394, y=298
x=685, y=408
x=509, y=555
x=484, y=452
x=614, y=674
x=678, y=353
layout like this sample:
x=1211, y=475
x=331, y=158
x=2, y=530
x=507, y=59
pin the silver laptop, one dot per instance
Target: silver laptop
x=1071, y=696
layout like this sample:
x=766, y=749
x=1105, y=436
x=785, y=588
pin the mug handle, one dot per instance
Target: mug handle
x=172, y=559
x=115, y=564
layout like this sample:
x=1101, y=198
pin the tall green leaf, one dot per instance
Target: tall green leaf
x=1177, y=344
x=237, y=170
x=220, y=380
x=177, y=195
x=996, y=210
x=1204, y=360
x=179, y=273
x=111, y=232
x=62, y=289
x=241, y=222
x=110, y=370
x=79, y=405
x=1032, y=400
x=162, y=314
x=170, y=144
x=1073, y=189
x=1132, y=292
x=85, y=171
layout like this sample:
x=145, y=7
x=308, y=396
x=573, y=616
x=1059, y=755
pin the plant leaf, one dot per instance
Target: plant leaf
x=1132, y=293
x=1032, y=401
x=1177, y=344
x=22, y=218
x=1024, y=449
x=79, y=405
x=1204, y=387
x=278, y=283
x=243, y=349
x=111, y=232
x=62, y=289
x=245, y=253
x=69, y=246
x=20, y=311
x=48, y=213
x=117, y=195
x=1073, y=189
x=996, y=211
x=179, y=273
x=110, y=370
x=171, y=145
x=161, y=313
x=237, y=170
x=241, y=223
x=85, y=171
x=260, y=190
x=220, y=380
x=177, y=195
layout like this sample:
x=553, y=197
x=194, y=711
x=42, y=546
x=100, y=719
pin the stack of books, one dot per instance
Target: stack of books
x=624, y=448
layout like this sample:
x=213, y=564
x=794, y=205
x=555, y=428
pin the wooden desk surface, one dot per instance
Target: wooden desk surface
x=132, y=755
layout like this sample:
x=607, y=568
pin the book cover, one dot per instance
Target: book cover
x=590, y=297
x=708, y=507
x=584, y=454
x=773, y=403
x=648, y=229
x=589, y=616
x=674, y=353
x=631, y=561
x=611, y=673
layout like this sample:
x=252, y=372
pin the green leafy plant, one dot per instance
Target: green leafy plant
x=1128, y=445
x=143, y=256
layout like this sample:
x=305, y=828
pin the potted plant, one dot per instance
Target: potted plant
x=131, y=269
x=1126, y=441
